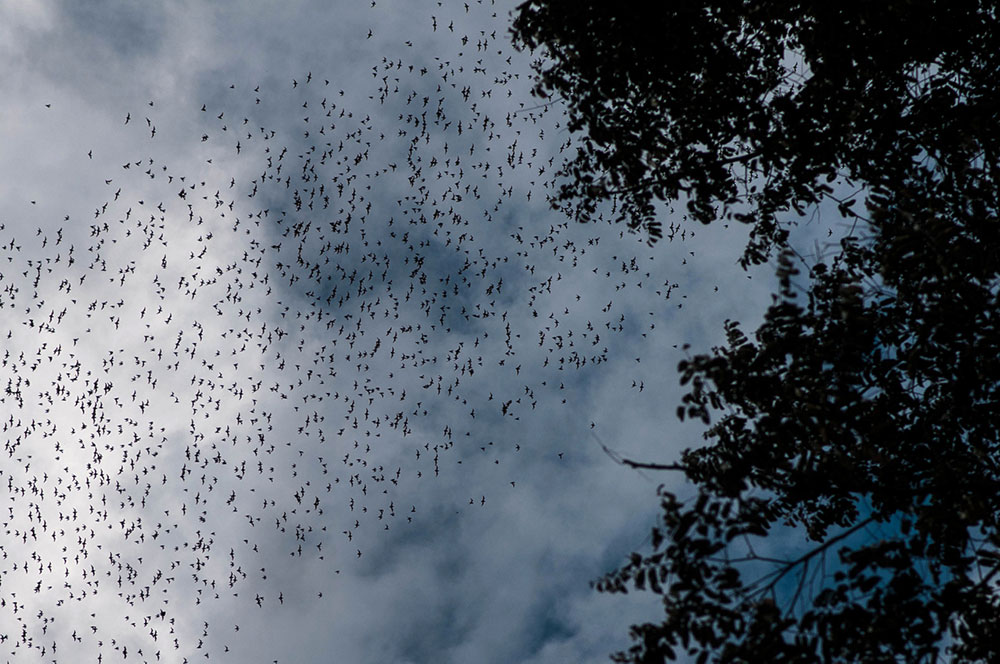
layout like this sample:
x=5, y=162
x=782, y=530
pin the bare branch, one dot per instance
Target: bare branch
x=638, y=465
x=779, y=574
x=653, y=466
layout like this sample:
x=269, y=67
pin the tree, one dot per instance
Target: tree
x=875, y=402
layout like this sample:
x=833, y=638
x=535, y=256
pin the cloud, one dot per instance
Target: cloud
x=273, y=336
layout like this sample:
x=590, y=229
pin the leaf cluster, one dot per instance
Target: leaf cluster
x=749, y=109
x=857, y=395
x=865, y=411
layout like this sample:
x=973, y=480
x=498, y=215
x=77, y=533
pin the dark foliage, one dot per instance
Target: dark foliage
x=870, y=404
x=695, y=99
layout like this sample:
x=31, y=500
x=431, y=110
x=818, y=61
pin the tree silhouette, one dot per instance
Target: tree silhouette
x=864, y=414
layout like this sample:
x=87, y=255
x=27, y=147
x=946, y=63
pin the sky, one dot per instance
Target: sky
x=300, y=365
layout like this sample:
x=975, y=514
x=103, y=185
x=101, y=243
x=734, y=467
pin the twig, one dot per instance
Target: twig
x=638, y=465
x=548, y=103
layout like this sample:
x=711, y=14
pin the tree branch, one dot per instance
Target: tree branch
x=652, y=466
x=750, y=156
x=638, y=465
x=779, y=574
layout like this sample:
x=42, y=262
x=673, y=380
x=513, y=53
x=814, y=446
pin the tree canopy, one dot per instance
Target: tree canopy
x=868, y=404
x=694, y=99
